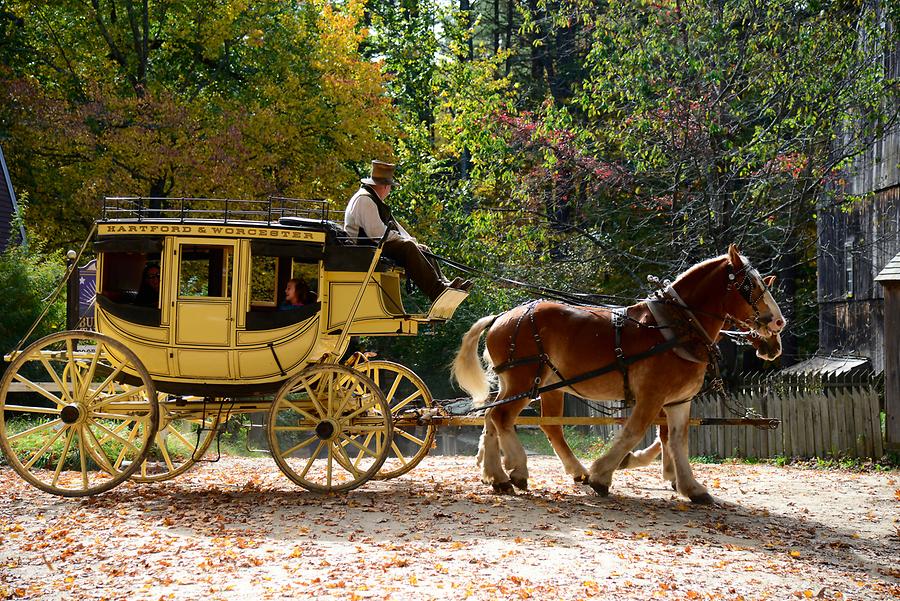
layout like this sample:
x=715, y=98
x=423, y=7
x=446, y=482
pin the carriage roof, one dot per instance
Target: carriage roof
x=279, y=219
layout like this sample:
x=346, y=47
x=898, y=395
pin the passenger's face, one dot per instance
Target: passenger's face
x=153, y=278
x=290, y=293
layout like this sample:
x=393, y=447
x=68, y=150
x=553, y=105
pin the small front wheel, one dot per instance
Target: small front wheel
x=330, y=428
x=79, y=413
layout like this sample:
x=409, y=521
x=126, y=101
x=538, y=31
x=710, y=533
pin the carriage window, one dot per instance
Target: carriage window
x=205, y=271
x=125, y=277
x=264, y=280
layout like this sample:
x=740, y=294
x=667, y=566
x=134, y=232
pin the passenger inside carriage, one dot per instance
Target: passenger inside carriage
x=297, y=294
x=148, y=294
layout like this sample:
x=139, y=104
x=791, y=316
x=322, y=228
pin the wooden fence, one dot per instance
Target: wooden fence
x=821, y=416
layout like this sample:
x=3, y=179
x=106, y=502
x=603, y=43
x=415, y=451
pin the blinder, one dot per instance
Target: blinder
x=745, y=288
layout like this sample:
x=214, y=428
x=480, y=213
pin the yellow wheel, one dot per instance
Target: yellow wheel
x=329, y=428
x=404, y=392
x=181, y=441
x=79, y=412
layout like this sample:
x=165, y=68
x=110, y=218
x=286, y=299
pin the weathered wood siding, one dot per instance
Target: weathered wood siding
x=856, y=241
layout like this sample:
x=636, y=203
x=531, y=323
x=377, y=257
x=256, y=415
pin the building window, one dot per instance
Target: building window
x=848, y=266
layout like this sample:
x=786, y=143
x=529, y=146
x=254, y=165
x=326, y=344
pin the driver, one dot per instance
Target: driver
x=367, y=216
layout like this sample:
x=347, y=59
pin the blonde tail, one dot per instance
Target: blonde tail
x=467, y=369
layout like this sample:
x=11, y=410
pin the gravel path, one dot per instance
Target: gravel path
x=238, y=529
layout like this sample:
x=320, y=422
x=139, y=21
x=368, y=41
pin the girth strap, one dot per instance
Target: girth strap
x=618, y=317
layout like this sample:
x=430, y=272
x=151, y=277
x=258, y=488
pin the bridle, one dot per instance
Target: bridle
x=750, y=280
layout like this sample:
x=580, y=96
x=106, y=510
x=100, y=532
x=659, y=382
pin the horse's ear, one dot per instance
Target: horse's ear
x=769, y=280
x=734, y=255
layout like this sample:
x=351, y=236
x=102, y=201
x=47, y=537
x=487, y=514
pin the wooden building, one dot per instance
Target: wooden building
x=8, y=209
x=856, y=241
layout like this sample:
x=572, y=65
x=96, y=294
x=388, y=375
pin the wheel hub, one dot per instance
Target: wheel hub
x=70, y=414
x=325, y=430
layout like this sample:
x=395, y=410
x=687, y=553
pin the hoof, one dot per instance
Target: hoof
x=600, y=489
x=704, y=499
x=674, y=485
x=520, y=483
x=503, y=488
x=581, y=479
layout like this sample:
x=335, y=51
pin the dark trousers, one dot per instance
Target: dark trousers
x=423, y=271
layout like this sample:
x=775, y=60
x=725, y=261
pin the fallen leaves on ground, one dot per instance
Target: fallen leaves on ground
x=238, y=529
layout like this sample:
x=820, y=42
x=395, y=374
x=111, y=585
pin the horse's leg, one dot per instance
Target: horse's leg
x=678, y=420
x=645, y=456
x=602, y=469
x=668, y=469
x=552, y=406
x=489, y=456
x=514, y=458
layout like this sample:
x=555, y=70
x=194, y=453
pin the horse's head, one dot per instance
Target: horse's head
x=750, y=305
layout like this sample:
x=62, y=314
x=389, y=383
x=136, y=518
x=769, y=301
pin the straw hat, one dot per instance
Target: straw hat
x=382, y=174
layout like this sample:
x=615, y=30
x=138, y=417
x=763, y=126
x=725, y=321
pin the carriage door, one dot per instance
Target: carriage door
x=204, y=307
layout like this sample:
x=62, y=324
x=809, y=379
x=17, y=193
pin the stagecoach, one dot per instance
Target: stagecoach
x=144, y=393
x=143, y=396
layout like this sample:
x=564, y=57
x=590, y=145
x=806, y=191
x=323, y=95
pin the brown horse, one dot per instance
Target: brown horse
x=654, y=353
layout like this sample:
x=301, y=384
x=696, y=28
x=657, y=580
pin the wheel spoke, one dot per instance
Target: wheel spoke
x=89, y=374
x=62, y=458
x=34, y=430
x=44, y=448
x=53, y=375
x=396, y=408
x=350, y=466
x=303, y=413
x=299, y=446
x=390, y=395
x=363, y=408
x=122, y=454
x=112, y=435
x=83, y=457
x=312, y=398
x=408, y=436
x=312, y=459
x=362, y=448
x=397, y=453
x=41, y=390
x=165, y=453
x=122, y=396
x=101, y=456
x=102, y=386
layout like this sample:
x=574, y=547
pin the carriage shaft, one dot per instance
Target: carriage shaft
x=594, y=421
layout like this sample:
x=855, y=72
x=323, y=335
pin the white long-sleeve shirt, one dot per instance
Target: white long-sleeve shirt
x=362, y=213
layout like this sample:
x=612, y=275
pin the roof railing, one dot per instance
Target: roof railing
x=224, y=210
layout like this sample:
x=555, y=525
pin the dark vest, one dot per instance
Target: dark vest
x=384, y=211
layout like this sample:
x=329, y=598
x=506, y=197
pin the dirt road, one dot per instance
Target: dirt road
x=238, y=529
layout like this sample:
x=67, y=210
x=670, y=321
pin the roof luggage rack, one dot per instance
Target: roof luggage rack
x=223, y=210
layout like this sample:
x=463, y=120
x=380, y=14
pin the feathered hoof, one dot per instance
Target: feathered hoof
x=503, y=488
x=600, y=489
x=704, y=499
x=520, y=483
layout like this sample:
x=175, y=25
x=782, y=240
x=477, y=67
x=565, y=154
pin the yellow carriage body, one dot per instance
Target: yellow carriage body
x=216, y=328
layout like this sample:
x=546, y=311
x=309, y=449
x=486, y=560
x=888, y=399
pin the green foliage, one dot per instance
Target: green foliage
x=583, y=443
x=27, y=278
x=166, y=99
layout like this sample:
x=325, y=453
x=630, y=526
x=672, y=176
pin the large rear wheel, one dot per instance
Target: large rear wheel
x=79, y=413
x=329, y=428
